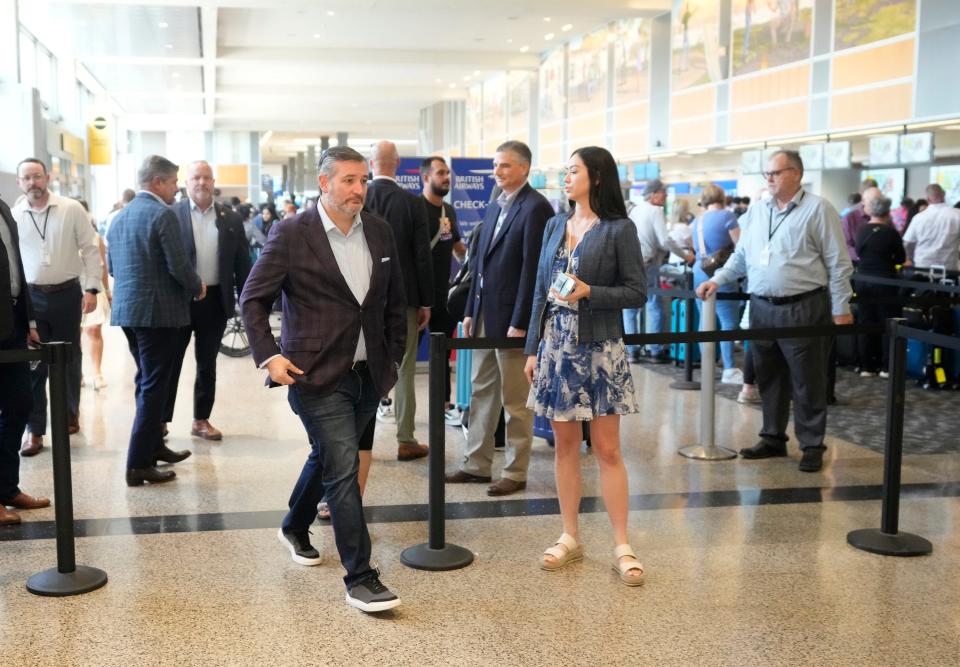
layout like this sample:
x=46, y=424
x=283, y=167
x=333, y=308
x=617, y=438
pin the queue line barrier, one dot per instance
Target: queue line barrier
x=436, y=553
x=67, y=578
x=888, y=540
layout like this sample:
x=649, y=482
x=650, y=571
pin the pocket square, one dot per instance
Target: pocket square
x=384, y=259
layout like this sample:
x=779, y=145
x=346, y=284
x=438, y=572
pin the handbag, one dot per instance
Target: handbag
x=710, y=264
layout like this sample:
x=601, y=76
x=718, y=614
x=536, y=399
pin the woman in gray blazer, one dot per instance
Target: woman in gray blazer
x=590, y=269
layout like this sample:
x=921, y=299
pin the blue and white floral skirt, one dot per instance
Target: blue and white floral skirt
x=577, y=382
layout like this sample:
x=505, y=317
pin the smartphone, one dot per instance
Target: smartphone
x=563, y=284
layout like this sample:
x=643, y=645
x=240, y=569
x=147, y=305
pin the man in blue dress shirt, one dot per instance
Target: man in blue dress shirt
x=793, y=254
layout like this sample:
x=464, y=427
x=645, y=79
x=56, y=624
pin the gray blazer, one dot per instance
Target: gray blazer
x=610, y=262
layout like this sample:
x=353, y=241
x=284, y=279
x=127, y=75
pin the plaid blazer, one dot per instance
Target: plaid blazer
x=153, y=278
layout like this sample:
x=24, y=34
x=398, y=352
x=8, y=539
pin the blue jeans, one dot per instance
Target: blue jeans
x=334, y=424
x=653, y=311
x=728, y=316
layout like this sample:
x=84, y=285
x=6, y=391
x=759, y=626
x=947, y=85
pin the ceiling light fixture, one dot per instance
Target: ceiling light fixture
x=549, y=36
x=696, y=151
x=566, y=27
x=466, y=78
x=476, y=72
x=452, y=85
x=935, y=123
x=163, y=24
x=176, y=75
x=169, y=46
x=330, y=12
x=438, y=80
x=546, y=19
x=891, y=129
x=509, y=41
x=524, y=49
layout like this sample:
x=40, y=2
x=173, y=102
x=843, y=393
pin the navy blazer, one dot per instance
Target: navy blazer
x=610, y=262
x=407, y=216
x=506, y=265
x=22, y=311
x=233, y=251
x=321, y=318
x=153, y=280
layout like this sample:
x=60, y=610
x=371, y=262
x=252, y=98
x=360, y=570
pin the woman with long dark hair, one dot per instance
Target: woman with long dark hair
x=590, y=269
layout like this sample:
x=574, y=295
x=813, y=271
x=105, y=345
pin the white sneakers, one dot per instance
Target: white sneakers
x=732, y=376
x=453, y=416
x=385, y=414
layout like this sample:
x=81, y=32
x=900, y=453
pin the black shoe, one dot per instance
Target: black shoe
x=831, y=400
x=370, y=595
x=167, y=455
x=300, y=548
x=634, y=357
x=137, y=476
x=663, y=357
x=812, y=460
x=764, y=450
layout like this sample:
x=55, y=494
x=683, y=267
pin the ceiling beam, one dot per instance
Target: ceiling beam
x=208, y=45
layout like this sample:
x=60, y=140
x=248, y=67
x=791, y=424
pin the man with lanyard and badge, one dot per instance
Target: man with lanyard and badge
x=793, y=254
x=61, y=261
x=445, y=243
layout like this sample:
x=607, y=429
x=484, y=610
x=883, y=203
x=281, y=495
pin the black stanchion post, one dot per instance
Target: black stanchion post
x=888, y=541
x=690, y=303
x=436, y=554
x=67, y=578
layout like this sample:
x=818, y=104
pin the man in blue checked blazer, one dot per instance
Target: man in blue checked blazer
x=153, y=284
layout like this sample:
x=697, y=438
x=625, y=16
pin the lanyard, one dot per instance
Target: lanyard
x=570, y=239
x=771, y=230
x=46, y=219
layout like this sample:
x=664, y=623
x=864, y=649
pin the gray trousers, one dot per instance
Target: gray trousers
x=58, y=319
x=792, y=368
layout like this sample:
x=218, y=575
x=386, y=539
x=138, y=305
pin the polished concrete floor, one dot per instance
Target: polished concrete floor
x=747, y=561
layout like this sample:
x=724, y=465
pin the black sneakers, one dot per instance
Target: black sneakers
x=300, y=548
x=764, y=450
x=370, y=595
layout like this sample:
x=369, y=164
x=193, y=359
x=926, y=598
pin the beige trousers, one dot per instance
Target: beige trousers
x=405, y=392
x=499, y=382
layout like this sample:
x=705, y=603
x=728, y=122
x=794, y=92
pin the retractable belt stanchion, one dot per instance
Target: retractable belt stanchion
x=707, y=450
x=888, y=540
x=67, y=578
x=687, y=382
x=436, y=554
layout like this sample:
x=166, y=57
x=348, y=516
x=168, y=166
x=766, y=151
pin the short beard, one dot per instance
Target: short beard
x=438, y=190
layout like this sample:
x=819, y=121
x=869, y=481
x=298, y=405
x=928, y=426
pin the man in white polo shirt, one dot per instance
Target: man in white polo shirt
x=933, y=236
x=61, y=261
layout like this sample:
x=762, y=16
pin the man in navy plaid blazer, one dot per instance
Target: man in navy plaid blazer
x=153, y=284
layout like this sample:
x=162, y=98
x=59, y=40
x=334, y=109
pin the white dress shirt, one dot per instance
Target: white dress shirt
x=205, y=240
x=792, y=251
x=57, y=243
x=505, y=201
x=933, y=237
x=354, y=261
x=655, y=243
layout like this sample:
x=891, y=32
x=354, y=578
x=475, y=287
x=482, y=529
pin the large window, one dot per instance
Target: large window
x=38, y=68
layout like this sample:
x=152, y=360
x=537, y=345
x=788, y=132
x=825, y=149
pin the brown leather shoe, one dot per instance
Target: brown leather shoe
x=24, y=501
x=31, y=445
x=204, y=429
x=461, y=477
x=73, y=424
x=504, y=487
x=8, y=518
x=409, y=451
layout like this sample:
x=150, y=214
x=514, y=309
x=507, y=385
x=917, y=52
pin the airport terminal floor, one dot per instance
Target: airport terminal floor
x=747, y=562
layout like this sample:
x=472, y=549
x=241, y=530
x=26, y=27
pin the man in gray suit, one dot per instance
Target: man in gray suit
x=153, y=284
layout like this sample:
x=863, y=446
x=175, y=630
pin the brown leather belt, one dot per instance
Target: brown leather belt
x=50, y=289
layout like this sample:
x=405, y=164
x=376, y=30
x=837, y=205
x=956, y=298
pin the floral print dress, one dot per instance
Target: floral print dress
x=578, y=381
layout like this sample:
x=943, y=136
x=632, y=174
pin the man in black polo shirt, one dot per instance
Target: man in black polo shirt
x=445, y=242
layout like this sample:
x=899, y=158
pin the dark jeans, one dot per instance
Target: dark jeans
x=58, y=319
x=15, y=403
x=792, y=368
x=207, y=324
x=334, y=423
x=153, y=351
x=872, y=349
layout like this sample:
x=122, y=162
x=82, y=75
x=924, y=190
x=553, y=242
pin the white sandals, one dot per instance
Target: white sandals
x=565, y=551
x=627, y=566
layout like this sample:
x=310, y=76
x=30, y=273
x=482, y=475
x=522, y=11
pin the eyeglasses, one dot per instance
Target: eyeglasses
x=773, y=174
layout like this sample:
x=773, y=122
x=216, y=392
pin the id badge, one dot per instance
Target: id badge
x=765, y=256
x=45, y=257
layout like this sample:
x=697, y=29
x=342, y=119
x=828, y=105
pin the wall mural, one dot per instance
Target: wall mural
x=858, y=22
x=695, y=43
x=768, y=33
x=631, y=58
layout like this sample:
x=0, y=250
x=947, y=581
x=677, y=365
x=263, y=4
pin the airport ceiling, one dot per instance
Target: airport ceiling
x=305, y=68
